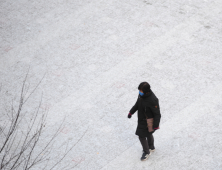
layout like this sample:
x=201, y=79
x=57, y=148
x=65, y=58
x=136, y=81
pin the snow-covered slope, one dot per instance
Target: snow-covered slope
x=95, y=53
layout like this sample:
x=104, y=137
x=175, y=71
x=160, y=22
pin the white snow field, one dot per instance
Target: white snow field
x=95, y=53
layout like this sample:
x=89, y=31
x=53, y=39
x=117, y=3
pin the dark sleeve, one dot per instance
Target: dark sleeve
x=134, y=108
x=156, y=114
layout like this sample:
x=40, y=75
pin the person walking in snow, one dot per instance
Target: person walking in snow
x=147, y=106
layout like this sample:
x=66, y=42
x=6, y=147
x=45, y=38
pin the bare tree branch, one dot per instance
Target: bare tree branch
x=25, y=152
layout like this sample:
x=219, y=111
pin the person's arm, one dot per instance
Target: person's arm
x=134, y=108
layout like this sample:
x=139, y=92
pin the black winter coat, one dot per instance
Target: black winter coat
x=147, y=104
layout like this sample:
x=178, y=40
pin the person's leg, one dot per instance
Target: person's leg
x=144, y=144
x=150, y=141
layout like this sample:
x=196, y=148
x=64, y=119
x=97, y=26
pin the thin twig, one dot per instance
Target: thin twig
x=34, y=89
x=69, y=150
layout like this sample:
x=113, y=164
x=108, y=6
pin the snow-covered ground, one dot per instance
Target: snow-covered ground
x=95, y=53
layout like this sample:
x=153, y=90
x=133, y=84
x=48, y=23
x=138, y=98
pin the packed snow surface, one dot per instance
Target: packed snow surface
x=92, y=55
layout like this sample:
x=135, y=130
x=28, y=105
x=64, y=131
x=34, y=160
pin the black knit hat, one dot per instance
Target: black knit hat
x=145, y=87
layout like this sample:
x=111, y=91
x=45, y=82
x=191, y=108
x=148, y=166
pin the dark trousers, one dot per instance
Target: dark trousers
x=147, y=143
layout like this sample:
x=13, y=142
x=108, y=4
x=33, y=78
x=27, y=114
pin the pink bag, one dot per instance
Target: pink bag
x=150, y=124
